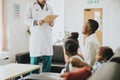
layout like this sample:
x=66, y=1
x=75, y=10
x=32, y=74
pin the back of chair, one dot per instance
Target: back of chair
x=117, y=51
x=23, y=57
x=108, y=71
x=116, y=56
x=58, y=56
x=115, y=59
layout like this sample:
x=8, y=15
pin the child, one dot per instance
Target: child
x=75, y=61
x=103, y=55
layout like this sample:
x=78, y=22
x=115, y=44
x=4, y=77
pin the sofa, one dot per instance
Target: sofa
x=58, y=61
x=116, y=56
x=109, y=70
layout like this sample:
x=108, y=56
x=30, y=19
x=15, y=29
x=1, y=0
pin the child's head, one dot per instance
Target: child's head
x=71, y=47
x=104, y=53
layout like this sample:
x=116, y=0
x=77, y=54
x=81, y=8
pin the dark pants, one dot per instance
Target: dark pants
x=46, y=63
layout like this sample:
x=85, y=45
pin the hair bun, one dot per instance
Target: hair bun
x=74, y=35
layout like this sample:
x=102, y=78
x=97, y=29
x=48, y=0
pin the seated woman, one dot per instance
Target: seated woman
x=74, y=36
x=103, y=55
x=75, y=61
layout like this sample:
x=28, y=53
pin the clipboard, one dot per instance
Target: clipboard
x=50, y=18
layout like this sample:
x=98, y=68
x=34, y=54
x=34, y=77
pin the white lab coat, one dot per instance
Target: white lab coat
x=90, y=49
x=41, y=36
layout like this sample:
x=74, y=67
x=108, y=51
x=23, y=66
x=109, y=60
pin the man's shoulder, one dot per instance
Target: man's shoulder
x=93, y=40
x=33, y=3
x=49, y=5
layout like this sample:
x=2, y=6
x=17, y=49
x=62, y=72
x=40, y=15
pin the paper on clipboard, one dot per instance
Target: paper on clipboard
x=50, y=18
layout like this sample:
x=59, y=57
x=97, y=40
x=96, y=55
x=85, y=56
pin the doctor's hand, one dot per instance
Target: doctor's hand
x=51, y=23
x=40, y=22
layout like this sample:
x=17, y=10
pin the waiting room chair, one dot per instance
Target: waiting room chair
x=108, y=71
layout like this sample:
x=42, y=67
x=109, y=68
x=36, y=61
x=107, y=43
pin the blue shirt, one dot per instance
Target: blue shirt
x=97, y=66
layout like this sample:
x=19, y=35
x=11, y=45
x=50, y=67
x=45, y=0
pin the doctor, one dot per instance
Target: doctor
x=41, y=34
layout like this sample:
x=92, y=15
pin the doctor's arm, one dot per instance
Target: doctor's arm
x=79, y=63
x=28, y=19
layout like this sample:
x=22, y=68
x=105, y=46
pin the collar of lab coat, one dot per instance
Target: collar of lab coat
x=90, y=37
x=35, y=2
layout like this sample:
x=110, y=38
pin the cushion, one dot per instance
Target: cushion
x=78, y=74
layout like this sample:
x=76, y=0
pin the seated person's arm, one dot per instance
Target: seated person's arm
x=79, y=63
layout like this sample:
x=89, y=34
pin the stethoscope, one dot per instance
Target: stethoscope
x=46, y=7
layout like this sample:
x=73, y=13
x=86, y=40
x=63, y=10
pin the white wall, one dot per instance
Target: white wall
x=58, y=29
x=74, y=16
x=17, y=36
x=111, y=23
